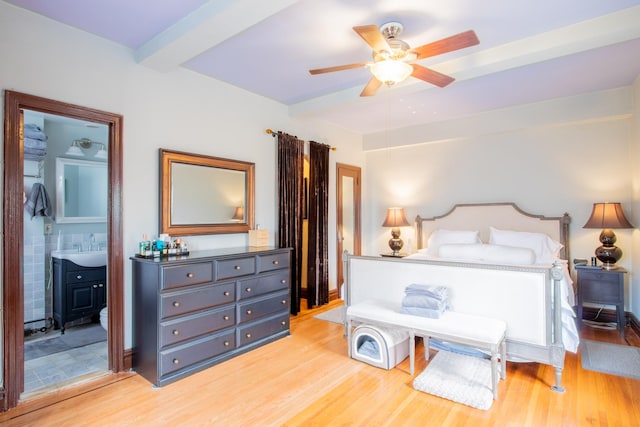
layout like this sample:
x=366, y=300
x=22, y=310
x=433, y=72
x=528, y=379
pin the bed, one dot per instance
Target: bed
x=478, y=252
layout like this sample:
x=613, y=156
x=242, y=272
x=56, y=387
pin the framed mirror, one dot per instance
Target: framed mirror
x=81, y=191
x=205, y=195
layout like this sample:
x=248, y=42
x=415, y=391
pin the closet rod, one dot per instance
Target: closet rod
x=274, y=133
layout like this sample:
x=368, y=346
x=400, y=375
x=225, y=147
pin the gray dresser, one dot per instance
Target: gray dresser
x=194, y=311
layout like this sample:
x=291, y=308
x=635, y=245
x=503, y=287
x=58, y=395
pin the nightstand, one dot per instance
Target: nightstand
x=600, y=286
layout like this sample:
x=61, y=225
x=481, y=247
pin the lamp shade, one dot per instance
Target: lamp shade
x=395, y=218
x=607, y=215
x=391, y=71
x=238, y=214
x=74, y=150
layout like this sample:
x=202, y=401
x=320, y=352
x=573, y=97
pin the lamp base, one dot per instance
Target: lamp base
x=395, y=243
x=608, y=253
x=609, y=266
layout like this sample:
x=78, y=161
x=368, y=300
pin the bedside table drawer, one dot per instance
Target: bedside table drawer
x=601, y=291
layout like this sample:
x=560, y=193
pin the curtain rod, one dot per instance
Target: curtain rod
x=274, y=133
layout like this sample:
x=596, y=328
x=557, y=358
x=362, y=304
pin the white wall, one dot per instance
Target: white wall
x=176, y=110
x=549, y=158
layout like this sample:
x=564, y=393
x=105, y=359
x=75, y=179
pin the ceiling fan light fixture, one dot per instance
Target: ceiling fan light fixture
x=391, y=71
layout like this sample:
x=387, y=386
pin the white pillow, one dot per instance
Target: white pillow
x=443, y=237
x=545, y=248
x=494, y=254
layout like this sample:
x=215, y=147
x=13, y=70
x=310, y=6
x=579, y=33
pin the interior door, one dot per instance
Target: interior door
x=12, y=245
x=348, y=215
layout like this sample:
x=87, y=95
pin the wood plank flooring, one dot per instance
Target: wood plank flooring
x=308, y=380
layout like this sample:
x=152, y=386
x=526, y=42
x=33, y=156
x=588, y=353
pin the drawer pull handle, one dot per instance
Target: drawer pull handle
x=283, y=281
x=101, y=285
x=284, y=301
x=237, y=267
x=276, y=262
x=227, y=343
x=284, y=323
x=225, y=317
x=95, y=286
x=249, y=290
x=249, y=311
x=176, y=361
x=175, y=332
x=79, y=276
x=227, y=293
x=190, y=275
x=248, y=335
x=176, y=303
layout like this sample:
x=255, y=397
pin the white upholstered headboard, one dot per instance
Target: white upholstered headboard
x=505, y=216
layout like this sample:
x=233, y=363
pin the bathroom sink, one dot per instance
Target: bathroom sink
x=83, y=259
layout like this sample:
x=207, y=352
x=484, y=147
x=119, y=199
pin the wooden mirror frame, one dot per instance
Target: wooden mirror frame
x=167, y=159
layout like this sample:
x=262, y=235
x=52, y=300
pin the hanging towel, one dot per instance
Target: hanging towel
x=38, y=202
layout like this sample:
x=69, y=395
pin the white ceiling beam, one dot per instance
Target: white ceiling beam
x=605, y=30
x=210, y=24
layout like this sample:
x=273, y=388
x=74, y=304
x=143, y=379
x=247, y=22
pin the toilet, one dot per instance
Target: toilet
x=104, y=322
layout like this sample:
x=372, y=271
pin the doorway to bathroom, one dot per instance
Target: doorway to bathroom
x=65, y=251
x=16, y=194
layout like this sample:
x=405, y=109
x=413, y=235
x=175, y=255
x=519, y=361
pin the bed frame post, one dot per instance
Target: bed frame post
x=557, y=347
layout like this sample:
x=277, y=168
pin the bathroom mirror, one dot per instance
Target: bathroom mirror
x=81, y=191
x=204, y=195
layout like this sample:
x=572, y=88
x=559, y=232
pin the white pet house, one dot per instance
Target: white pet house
x=380, y=347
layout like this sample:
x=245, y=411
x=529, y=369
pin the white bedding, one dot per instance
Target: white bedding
x=570, y=336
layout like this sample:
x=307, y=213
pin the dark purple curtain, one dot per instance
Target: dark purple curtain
x=318, y=254
x=290, y=208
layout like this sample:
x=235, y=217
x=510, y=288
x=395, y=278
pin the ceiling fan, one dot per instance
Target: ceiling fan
x=393, y=58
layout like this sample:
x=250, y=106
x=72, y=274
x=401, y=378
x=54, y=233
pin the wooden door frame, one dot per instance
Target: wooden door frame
x=12, y=246
x=343, y=170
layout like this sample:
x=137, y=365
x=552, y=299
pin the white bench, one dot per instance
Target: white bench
x=476, y=331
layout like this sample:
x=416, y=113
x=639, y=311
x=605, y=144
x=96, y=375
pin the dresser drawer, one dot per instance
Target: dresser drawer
x=181, y=302
x=263, y=285
x=185, y=355
x=274, y=261
x=229, y=268
x=186, y=275
x=248, y=334
x=188, y=327
x=255, y=309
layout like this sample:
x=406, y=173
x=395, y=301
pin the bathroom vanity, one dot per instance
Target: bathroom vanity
x=78, y=291
x=194, y=311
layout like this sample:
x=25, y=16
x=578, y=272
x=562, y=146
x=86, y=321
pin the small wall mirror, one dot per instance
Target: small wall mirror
x=205, y=195
x=81, y=191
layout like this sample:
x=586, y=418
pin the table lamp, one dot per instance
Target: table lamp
x=395, y=219
x=608, y=216
x=238, y=214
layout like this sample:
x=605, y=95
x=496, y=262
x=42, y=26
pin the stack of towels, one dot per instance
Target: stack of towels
x=35, y=142
x=425, y=300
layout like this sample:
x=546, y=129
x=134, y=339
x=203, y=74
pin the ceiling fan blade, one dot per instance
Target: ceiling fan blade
x=372, y=87
x=431, y=76
x=371, y=34
x=337, y=68
x=448, y=44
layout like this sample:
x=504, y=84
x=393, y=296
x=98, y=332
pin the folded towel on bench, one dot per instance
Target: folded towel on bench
x=425, y=300
x=438, y=292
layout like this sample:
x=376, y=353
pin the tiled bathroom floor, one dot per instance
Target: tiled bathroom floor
x=59, y=369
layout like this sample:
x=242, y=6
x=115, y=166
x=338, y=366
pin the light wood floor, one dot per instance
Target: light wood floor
x=308, y=380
